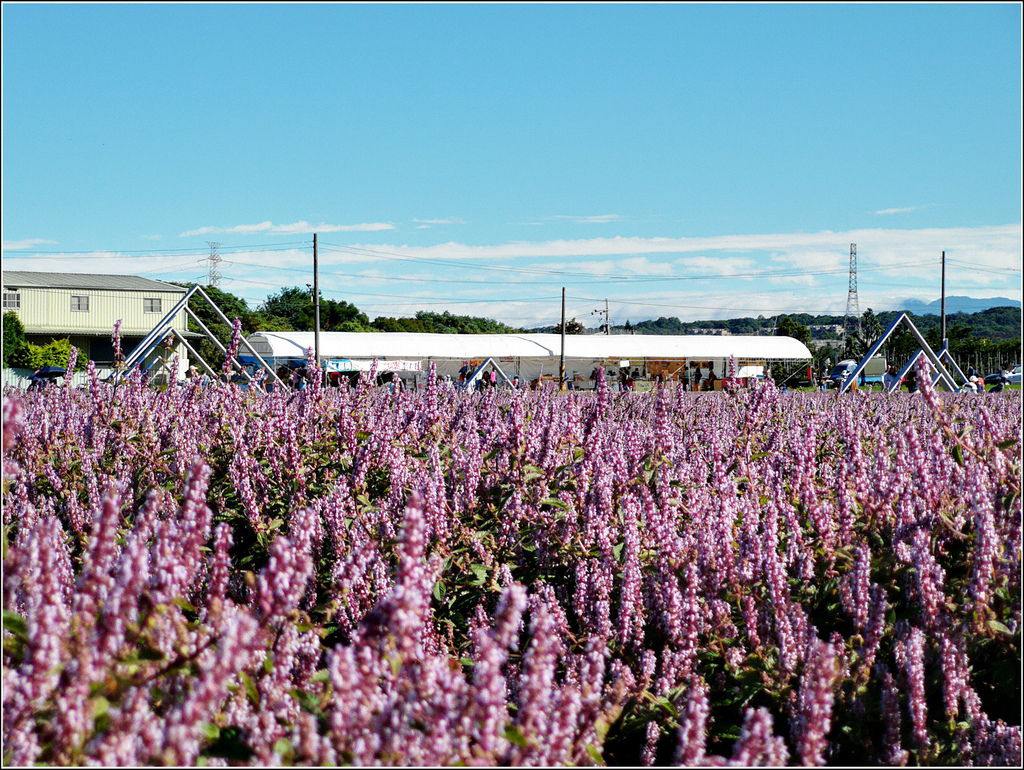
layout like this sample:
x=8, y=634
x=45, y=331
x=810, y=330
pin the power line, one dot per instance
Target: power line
x=603, y=279
x=785, y=273
x=54, y=254
x=445, y=262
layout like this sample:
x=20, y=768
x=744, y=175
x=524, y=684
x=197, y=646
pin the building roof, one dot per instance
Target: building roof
x=25, y=279
x=387, y=345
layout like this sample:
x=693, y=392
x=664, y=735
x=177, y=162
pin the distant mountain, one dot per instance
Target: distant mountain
x=955, y=305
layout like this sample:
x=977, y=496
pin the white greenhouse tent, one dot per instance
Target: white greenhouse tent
x=528, y=356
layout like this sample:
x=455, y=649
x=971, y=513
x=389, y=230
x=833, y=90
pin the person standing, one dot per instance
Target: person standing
x=889, y=379
x=912, y=380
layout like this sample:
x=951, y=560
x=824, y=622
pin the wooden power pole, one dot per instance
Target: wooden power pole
x=561, y=357
x=945, y=342
x=316, y=305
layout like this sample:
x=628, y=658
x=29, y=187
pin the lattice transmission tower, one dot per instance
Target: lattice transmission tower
x=851, y=323
x=213, y=261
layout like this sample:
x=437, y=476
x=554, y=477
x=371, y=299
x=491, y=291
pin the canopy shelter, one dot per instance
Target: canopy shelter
x=525, y=355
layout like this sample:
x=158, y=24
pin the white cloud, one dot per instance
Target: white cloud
x=296, y=228
x=599, y=219
x=719, y=265
x=722, y=276
x=448, y=221
x=644, y=266
x=881, y=247
x=27, y=243
x=905, y=210
x=792, y=280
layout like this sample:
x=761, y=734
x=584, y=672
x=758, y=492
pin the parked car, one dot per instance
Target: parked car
x=872, y=373
x=1008, y=376
x=998, y=380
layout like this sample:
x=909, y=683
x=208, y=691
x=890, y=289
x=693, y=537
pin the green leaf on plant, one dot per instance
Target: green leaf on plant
x=554, y=501
x=184, y=605
x=147, y=652
x=250, y=689
x=995, y=625
x=958, y=455
x=14, y=623
x=100, y=705
x=514, y=736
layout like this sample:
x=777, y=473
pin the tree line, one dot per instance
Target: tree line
x=998, y=323
x=981, y=338
x=986, y=340
x=292, y=309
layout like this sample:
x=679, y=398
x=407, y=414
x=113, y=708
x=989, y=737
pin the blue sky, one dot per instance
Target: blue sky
x=680, y=160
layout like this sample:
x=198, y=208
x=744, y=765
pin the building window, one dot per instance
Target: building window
x=80, y=303
x=151, y=305
x=12, y=300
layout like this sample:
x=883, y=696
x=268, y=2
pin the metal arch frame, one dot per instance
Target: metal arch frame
x=942, y=377
x=164, y=328
x=955, y=366
x=479, y=371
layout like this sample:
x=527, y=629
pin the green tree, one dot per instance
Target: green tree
x=289, y=305
x=859, y=343
x=14, y=336
x=571, y=327
x=261, y=322
x=448, y=323
x=789, y=327
x=54, y=353
x=295, y=306
x=388, y=324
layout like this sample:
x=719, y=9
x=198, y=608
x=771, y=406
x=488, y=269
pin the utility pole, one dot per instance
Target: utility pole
x=607, y=323
x=945, y=342
x=561, y=357
x=316, y=305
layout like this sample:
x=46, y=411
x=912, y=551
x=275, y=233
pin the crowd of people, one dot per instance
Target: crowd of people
x=692, y=377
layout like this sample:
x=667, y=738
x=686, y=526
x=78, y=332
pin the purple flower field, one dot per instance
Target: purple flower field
x=206, y=576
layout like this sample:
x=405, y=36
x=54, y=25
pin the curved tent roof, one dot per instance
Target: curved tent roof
x=387, y=345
